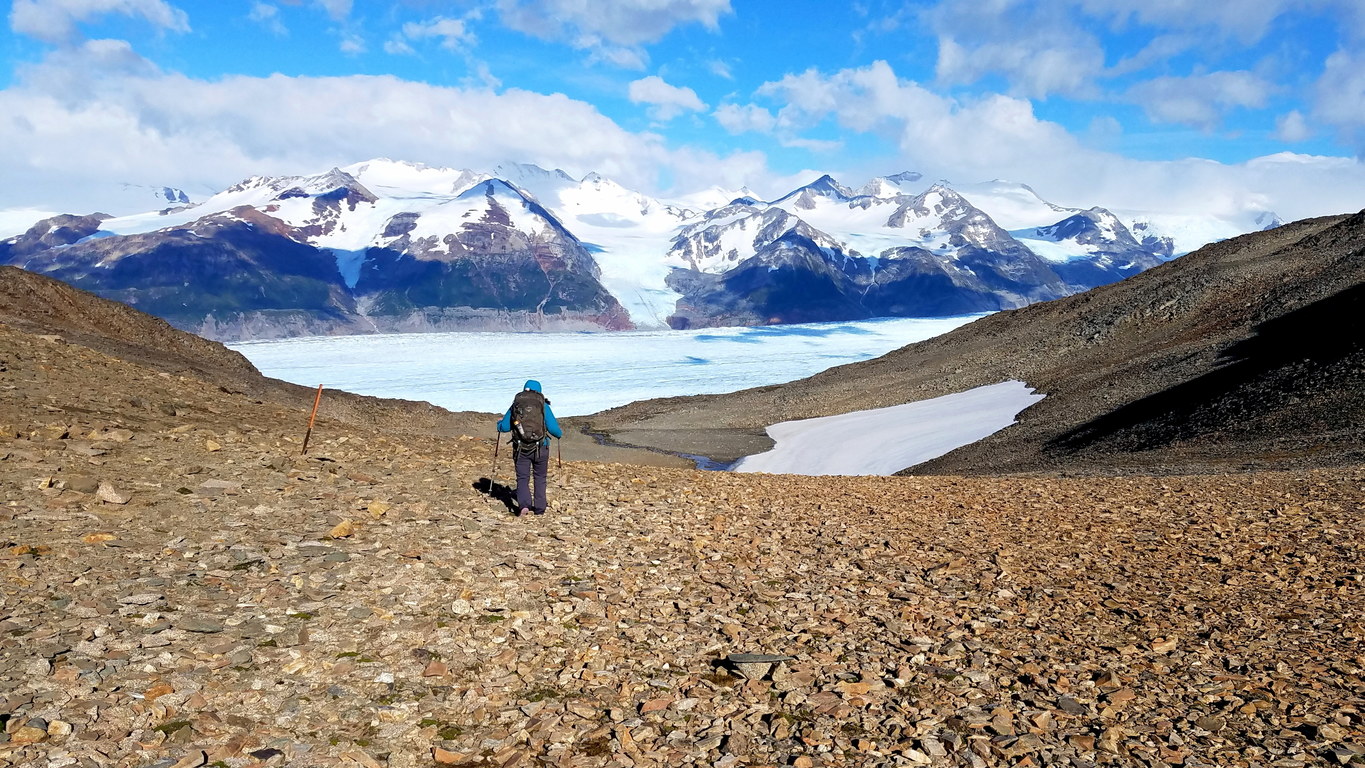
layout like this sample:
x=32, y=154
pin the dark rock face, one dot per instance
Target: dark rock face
x=487, y=264
x=51, y=233
x=220, y=268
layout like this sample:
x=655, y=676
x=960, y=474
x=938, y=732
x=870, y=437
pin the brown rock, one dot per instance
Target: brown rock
x=109, y=494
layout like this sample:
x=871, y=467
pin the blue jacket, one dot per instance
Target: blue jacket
x=551, y=423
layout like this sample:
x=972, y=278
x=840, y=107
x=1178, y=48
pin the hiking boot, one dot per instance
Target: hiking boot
x=540, y=511
x=522, y=512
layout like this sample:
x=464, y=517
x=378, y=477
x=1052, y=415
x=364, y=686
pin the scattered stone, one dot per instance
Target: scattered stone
x=199, y=624
x=110, y=495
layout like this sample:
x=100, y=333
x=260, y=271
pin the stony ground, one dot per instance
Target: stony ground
x=179, y=587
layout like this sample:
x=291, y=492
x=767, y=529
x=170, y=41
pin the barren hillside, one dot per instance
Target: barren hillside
x=179, y=587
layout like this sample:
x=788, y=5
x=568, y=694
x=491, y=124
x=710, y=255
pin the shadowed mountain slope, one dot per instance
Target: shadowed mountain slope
x=1246, y=353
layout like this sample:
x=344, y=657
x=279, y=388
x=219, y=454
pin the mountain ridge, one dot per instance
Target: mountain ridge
x=587, y=253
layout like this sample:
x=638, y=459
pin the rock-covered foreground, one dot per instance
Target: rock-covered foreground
x=178, y=587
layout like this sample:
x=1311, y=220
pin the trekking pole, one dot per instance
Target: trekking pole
x=559, y=450
x=493, y=473
x=311, y=417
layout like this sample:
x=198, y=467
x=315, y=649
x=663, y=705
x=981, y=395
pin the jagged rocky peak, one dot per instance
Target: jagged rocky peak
x=824, y=187
x=1268, y=220
x=1097, y=225
x=939, y=201
x=895, y=185
x=529, y=172
x=60, y=230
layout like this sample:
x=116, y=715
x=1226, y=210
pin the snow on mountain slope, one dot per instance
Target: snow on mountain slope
x=395, y=178
x=626, y=232
x=1013, y=206
x=1186, y=232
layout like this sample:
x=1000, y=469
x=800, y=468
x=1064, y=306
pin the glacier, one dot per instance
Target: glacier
x=582, y=372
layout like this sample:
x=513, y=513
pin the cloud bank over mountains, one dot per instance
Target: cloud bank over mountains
x=1159, y=105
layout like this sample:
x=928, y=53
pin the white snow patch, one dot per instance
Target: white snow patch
x=884, y=441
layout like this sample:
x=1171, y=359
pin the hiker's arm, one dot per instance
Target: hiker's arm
x=551, y=423
x=505, y=423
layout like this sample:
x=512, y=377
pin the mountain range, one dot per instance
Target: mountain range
x=387, y=246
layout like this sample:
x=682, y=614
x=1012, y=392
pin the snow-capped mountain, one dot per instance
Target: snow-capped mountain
x=390, y=245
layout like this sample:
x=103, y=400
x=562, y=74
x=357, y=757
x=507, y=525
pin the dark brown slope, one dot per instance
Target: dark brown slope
x=40, y=305
x=1245, y=353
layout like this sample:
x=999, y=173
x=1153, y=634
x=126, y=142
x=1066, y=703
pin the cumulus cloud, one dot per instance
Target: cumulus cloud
x=268, y=16
x=338, y=10
x=55, y=21
x=1200, y=100
x=67, y=138
x=1039, y=47
x=666, y=101
x=1246, y=21
x=1339, y=94
x=452, y=34
x=1292, y=127
x=1000, y=136
x=745, y=118
x=616, y=29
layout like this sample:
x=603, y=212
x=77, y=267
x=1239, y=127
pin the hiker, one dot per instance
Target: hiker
x=532, y=424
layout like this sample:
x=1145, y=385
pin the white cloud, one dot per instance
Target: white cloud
x=337, y=9
x=55, y=21
x=616, y=29
x=745, y=118
x=1246, y=21
x=1001, y=137
x=1037, y=46
x=398, y=47
x=1066, y=67
x=268, y=16
x=1200, y=100
x=352, y=44
x=720, y=69
x=68, y=137
x=621, y=56
x=1292, y=127
x=1339, y=97
x=666, y=101
x=453, y=34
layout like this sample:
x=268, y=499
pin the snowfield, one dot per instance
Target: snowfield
x=886, y=440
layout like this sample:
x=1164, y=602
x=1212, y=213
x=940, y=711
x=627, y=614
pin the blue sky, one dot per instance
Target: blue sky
x=1180, y=104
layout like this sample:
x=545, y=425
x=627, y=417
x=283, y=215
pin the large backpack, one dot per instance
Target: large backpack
x=528, y=419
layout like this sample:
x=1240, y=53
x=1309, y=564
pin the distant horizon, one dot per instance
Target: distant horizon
x=1209, y=110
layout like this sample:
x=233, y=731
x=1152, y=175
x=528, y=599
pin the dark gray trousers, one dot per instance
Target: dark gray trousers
x=528, y=463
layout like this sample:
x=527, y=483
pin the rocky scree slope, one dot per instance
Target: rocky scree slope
x=1246, y=353
x=178, y=587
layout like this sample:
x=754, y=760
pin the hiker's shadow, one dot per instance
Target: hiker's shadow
x=499, y=492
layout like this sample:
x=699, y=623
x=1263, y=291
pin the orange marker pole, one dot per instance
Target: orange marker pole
x=311, y=417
